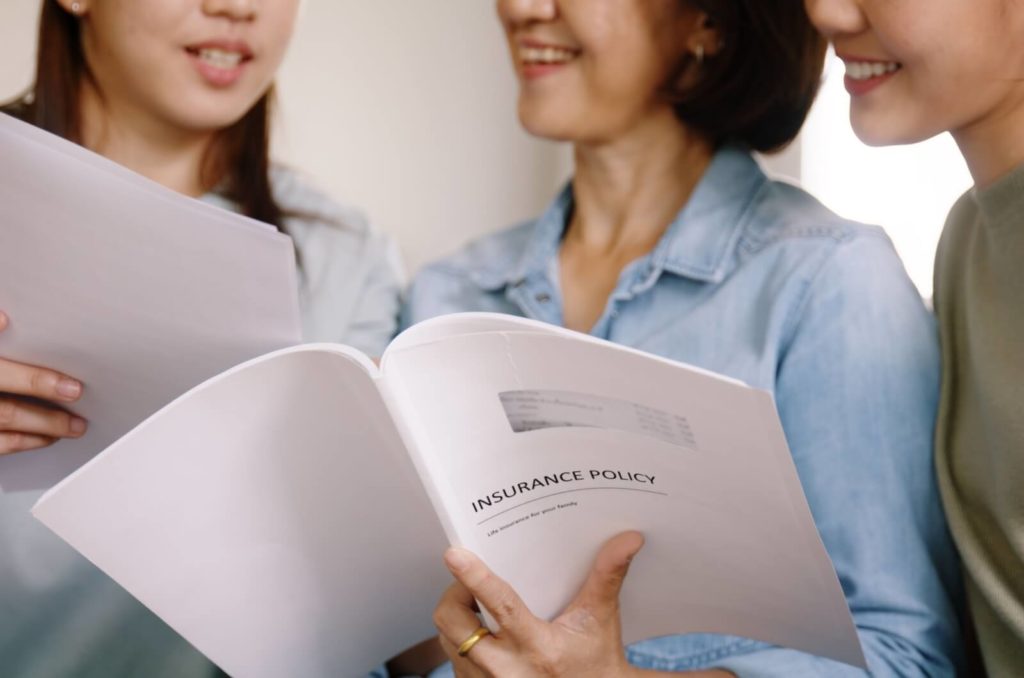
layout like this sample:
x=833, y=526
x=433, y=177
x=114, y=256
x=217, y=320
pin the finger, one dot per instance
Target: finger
x=10, y=443
x=600, y=593
x=464, y=667
x=21, y=417
x=454, y=616
x=38, y=382
x=456, y=621
x=3, y=321
x=494, y=593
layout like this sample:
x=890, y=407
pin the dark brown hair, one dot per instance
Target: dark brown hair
x=758, y=88
x=237, y=163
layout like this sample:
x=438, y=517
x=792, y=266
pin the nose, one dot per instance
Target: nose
x=836, y=17
x=236, y=10
x=520, y=12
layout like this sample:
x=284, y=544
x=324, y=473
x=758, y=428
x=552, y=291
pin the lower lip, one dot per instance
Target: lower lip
x=861, y=87
x=535, y=71
x=218, y=77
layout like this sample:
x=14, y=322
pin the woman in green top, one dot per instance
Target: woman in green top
x=916, y=68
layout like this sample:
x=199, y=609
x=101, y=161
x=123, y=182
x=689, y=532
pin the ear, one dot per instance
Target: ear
x=75, y=7
x=704, y=40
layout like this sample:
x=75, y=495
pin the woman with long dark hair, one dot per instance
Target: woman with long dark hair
x=179, y=91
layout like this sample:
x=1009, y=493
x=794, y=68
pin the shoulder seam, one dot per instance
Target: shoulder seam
x=829, y=226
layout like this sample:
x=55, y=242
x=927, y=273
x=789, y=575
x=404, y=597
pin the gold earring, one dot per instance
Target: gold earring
x=76, y=8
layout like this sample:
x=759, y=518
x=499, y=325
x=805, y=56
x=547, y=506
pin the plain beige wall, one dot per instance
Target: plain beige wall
x=401, y=107
x=17, y=44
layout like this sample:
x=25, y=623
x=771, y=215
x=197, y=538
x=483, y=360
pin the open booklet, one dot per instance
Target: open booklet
x=122, y=283
x=288, y=517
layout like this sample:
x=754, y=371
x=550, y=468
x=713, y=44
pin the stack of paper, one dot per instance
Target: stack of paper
x=139, y=292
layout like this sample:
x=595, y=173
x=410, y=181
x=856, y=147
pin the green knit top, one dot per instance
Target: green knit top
x=979, y=300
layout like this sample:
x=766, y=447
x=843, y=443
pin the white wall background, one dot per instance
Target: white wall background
x=18, y=20
x=406, y=109
x=906, y=189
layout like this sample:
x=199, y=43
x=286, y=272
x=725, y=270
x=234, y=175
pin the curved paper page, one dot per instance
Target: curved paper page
x=271, y=516
x=139, y=292
x=542, y=446
x=458, y=324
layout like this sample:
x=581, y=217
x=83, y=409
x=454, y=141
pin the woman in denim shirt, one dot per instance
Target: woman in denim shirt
x=670, y=239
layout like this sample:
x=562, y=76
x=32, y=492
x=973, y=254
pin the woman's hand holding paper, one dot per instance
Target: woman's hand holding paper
x=31, y=402
x=585, y=640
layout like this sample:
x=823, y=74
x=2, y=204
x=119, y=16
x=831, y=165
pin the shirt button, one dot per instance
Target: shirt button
x=543, y=297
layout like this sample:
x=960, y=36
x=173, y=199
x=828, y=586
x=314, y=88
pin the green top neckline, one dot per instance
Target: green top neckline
x=1002, y=202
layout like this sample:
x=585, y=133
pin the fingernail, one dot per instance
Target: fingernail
x=77, y=426
x=3, y=320
x=458, y=560
x=68, y=388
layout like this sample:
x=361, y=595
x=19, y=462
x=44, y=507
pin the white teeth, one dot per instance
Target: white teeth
x=545, y=55
x=219, y=58
x=865, y=70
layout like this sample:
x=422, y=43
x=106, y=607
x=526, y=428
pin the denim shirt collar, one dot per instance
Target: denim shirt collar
x=699, y=244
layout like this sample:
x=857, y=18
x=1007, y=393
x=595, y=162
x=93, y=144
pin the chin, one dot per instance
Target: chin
x=881, y=130
x=546, y=122
x=209, y=117
x=548, y=132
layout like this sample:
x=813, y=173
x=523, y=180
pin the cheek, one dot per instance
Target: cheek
x=139, y=21
x=916, y=105
x=634, y=54
x=628, y=80
x=279, y=26
x=946, y=80
x=275, y=34
x=141, y=36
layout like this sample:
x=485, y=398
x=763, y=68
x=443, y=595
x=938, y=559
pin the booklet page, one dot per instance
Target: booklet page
x=271, y=517
x=544, y=446
x=137, y=291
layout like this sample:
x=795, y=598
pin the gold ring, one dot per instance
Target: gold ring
x=474, y=638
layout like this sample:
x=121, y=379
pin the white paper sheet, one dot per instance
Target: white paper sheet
x=696, y=462
x=271, y=517
x=139, y=292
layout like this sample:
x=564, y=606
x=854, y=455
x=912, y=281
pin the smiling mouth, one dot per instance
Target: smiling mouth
x=546, y=56
x=219, y=58
x=866, y=70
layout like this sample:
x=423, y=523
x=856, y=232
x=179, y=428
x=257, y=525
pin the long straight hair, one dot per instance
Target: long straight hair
x=237, y=163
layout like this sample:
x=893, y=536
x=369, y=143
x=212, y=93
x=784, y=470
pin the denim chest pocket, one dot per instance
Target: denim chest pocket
x=689, y=652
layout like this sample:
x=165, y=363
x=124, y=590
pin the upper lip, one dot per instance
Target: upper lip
x=238, y=46
x=864, y=60
x=539, y=44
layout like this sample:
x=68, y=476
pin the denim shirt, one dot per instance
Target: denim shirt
x=756, y=280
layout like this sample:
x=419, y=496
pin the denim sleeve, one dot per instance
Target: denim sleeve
x=857, y=390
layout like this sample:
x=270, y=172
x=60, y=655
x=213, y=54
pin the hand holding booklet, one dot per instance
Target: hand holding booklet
x=288, y=516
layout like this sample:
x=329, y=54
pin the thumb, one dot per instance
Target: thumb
x=600, y=593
